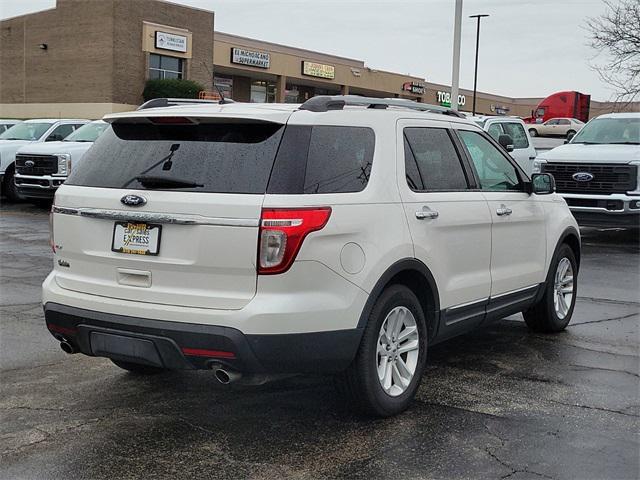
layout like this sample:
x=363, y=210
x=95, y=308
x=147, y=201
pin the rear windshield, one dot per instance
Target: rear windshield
x=212, y=158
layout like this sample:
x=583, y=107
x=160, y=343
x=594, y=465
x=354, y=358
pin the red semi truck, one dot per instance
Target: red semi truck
x=563, y=105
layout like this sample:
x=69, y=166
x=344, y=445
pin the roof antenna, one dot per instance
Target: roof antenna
x=213, y=81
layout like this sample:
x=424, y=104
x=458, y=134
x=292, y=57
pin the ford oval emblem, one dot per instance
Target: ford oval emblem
x=133, y=200
x=582, y=177
x=29, y=164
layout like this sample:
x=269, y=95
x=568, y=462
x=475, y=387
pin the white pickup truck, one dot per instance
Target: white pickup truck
x=522, y=149
x=42, y=167
x=26, y=133
x=598, y=171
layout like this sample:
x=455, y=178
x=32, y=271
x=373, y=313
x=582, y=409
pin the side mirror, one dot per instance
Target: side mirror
x=543, y=183
x=54, y=138
x=570, y=135
x=506, y=141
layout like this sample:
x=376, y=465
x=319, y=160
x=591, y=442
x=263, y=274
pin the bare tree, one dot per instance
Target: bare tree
x=616, y=35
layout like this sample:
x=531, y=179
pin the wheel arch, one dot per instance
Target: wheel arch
x=571, y=237
x=415, y=275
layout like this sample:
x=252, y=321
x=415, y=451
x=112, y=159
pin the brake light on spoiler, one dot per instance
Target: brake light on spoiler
x=282, y=231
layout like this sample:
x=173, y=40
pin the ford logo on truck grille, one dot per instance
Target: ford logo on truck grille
x=133, y=200
x=29, y=164
x=582, y=177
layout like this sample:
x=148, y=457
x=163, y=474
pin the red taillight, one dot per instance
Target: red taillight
x=282, y=231
x=200, y=352
x=63, y=330
x=52, y=242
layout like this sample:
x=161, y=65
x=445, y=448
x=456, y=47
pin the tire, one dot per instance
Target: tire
x=9, y=187
x=545, y=316
x=360, y=382
x=138, y=368
x=570, y=132
x=533, y=132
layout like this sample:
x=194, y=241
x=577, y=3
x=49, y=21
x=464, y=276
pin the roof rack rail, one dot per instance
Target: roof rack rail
x=324, y=103
x=171, y=102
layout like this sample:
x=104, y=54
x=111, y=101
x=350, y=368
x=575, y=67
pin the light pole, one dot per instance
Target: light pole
x=475, y=73
x=455, y=68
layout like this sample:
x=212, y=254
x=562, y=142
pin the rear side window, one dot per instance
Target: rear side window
x=323, y=159
x=517, y=133
x=219, y=158
x=431, y=160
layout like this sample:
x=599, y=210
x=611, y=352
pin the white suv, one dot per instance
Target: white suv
x=343, y=235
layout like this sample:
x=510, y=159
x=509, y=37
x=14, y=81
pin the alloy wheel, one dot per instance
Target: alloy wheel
x=398, y=350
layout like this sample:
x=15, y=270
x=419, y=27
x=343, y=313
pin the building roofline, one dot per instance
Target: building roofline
x=29, y=14
x=345, y=60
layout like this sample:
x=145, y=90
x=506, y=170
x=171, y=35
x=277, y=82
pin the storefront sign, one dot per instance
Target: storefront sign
x=252, y=58
x=171, y=41
x=413, y=87
x=444, y=98
x=313, y=69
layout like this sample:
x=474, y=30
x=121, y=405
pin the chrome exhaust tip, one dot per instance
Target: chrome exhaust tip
x=226, y=377
x=67, y=347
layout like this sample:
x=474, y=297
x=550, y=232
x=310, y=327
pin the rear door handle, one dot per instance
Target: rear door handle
x=504, y=210
x=426, y=213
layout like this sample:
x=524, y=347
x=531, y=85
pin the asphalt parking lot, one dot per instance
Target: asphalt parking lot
x=499, y=403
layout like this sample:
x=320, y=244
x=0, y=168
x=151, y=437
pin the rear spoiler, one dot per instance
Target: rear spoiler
x=172, y=102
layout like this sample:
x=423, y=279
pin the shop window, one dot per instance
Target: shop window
x=162, y=66
x=263, y=92
x=224, y=85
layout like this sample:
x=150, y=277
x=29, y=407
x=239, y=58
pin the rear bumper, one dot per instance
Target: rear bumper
x=179, y=345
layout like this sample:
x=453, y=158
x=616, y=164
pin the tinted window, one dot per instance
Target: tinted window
x=495, y=130
x=563, y=121
x=234, y=158
x=431, y=160
x=517, y=133
x=59, y=133
x=495, y=172
x=323, y=159
x=552, y=122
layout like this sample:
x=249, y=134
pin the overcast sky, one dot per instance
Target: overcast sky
x=528, y=48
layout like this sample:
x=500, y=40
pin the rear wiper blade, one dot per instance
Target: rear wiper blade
x=152, y=181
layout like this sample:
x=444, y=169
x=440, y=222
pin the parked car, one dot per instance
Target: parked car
x=42, y=167
x=563, y=127
x=331, y=237
x=522, y=149
x=598, y=171
x=25, y=133
x=7, y=124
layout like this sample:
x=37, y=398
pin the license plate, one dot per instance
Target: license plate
x=136, y=238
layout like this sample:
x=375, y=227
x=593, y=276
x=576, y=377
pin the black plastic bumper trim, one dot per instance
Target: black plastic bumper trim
x=317, y=352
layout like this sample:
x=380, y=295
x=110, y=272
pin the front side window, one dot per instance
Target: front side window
x=162, y=67
x=553, y=121
x=26, y=131
x=517, y=133
x=495, y=172
x=60, y=133
x=431, y=160
x=323, y=159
